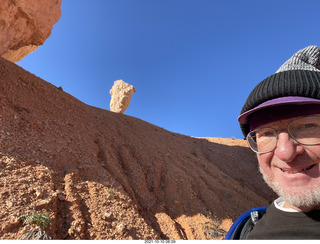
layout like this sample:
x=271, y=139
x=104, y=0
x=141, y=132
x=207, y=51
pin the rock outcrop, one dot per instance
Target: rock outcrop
x=25, y=25
x=121, y=93
x=104, y=175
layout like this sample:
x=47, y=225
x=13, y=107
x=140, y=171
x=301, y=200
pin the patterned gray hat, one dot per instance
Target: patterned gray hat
x=297, y=81
x=305, y=59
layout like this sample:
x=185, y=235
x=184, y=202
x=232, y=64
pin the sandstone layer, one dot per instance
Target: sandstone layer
x=25, y=25
x=104, y=175
x=121, y=93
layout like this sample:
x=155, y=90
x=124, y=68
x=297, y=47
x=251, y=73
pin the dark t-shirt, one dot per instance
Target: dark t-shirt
x=277, y=224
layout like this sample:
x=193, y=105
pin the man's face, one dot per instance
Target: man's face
x=292, y=170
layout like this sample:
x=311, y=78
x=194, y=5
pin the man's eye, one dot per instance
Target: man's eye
x=265, y=134
x=308, y=126
x=268, y=133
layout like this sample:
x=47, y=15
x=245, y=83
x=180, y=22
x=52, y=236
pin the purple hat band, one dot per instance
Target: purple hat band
x=269, y=114
x=291, y=100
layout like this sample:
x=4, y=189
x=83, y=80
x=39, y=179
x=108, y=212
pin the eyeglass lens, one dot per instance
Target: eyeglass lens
x=304, y=130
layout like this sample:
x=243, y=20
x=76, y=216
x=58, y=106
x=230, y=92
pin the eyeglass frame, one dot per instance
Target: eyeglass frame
x=281, y=129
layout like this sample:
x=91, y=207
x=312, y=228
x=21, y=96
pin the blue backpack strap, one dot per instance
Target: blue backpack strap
x=236, y=228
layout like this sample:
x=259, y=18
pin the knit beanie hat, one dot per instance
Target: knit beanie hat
x=296, y=82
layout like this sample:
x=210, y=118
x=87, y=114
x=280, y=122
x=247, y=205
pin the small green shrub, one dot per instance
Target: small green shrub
x=211, y=227
x=111, y=191
x=42, y=220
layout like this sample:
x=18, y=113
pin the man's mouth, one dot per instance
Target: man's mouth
x=297, y=171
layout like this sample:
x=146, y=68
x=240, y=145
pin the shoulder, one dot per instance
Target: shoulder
x=245, y=223
x=279, y=224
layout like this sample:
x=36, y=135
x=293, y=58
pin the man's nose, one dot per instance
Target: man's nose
x=287, y=148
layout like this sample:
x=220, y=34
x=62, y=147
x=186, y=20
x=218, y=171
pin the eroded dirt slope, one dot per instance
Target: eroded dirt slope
x=103, y=175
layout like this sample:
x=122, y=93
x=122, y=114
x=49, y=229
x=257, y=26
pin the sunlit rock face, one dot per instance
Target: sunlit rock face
x=25, y=25
x=121, y=93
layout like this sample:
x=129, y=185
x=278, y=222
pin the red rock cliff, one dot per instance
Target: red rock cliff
x=104, y=175
x=25, y=25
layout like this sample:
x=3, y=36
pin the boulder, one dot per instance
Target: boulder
x=25, y=25
x=121, y=93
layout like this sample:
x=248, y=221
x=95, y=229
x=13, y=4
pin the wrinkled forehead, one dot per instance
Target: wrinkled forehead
x=279, y=113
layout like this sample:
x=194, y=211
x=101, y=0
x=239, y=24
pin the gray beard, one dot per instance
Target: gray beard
x=299, y=198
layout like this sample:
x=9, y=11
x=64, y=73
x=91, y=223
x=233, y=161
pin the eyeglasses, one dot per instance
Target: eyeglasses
x=305, y=131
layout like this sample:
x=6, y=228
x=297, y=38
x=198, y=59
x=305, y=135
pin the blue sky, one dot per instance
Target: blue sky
x=193, y=62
